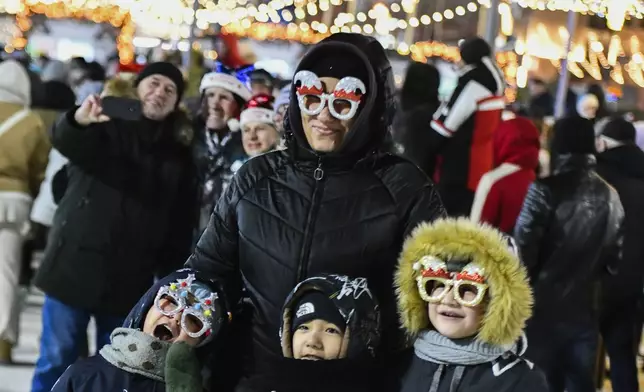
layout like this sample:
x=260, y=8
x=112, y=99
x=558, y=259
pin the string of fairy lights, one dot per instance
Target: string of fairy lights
x=310, y=21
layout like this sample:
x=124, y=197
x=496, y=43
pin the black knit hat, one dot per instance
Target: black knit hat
x=573, y=135
x=166, y=69
x=474, y=49
x=315, y=305
x=620, y=129
x=339, y=64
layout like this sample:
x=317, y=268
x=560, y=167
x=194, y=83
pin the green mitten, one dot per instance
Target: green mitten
x=182, y=369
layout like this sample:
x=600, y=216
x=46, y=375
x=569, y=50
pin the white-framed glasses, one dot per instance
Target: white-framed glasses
x=343, y=102
x=196, y=314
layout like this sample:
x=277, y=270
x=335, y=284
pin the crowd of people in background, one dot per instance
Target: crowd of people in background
x=396, y=242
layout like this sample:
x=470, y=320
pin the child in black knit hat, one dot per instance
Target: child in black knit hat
x=318, y=328
x=330, y=332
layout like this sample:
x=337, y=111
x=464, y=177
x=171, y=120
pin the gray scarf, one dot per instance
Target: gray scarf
x=433, y=347
x=137, y=352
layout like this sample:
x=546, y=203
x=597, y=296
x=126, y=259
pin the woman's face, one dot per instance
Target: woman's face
x=324, y=132
x=259, y=138
x=454, y=320
x=219, y=107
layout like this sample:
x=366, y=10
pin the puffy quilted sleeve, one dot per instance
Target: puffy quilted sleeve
x=217, y=250
x=531, y=226
x=612, y=252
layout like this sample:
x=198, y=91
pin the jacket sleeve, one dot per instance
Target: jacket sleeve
x=415, y=195
x=66, y=382
x=531, y=226
x=461, y=106
x=217, y=250
x=612, y=251
x=184, y=221
x=83, y=146
x=39, y=158
x=486, y=205
x=533, y=380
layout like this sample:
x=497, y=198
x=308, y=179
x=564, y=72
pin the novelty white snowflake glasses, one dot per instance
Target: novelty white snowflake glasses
x=434, y=282
x=343, y=102
x=197, y=315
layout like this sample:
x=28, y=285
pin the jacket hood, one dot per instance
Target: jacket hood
x=454, y=241
x=136, y=318
x=517, y=141
x=15, y=86
x=356, y=304
x=627, y=159
x=374, y=119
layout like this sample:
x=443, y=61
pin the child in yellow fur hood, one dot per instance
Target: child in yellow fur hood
x=464, y=298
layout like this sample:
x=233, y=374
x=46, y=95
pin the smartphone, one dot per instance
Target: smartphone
x=122, y=108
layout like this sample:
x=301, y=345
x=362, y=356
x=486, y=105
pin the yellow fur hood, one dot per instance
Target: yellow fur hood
x=509, y=293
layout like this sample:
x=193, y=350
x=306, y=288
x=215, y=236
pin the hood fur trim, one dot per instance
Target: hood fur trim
x=510, y=303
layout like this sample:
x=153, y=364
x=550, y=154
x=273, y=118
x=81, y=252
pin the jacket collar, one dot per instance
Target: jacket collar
x=565, y=163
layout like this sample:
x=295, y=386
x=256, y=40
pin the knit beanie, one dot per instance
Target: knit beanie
x=315, y=305
x=474, y=49
x=620, y=129
x=263, y=77
x=339, y=64
x=573, y=135
x=166, y=69
x=421, y=85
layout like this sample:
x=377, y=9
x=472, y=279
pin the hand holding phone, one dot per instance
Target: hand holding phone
x=90, y=111
x=122, y=108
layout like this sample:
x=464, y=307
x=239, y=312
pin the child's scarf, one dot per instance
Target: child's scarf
x=433, y=347
x=137, y=352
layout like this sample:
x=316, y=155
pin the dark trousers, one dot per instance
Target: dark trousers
x=64, y=336
x=620, y=330
x=566, y=352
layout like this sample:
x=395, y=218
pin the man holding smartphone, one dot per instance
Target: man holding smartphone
x=128, y=213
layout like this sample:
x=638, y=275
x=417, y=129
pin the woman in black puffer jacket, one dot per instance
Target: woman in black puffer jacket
x=332, y=202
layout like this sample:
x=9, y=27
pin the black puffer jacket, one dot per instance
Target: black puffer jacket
x=569, y=225
x=292, y=214
x=510, y=374
x=623, y=168
x=127, y=213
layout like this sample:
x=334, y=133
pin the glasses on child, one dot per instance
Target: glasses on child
x=435, y=282
x=343, y=102
x=196, y=314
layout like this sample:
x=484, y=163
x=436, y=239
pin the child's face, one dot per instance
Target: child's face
x=454, y=320
x=317, y=340
x=169, y=329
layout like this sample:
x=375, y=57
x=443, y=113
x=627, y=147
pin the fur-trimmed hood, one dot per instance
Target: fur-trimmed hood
x=510, y=296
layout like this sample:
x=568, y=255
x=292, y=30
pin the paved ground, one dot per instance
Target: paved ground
x=17, y=378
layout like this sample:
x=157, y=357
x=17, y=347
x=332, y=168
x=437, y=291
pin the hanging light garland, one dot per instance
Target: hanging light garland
x=615, y=11
x=97, y=13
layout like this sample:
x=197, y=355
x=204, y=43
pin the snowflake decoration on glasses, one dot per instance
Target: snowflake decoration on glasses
x=180, y=293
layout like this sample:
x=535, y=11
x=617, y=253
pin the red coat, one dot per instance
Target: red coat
x=500, y=193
